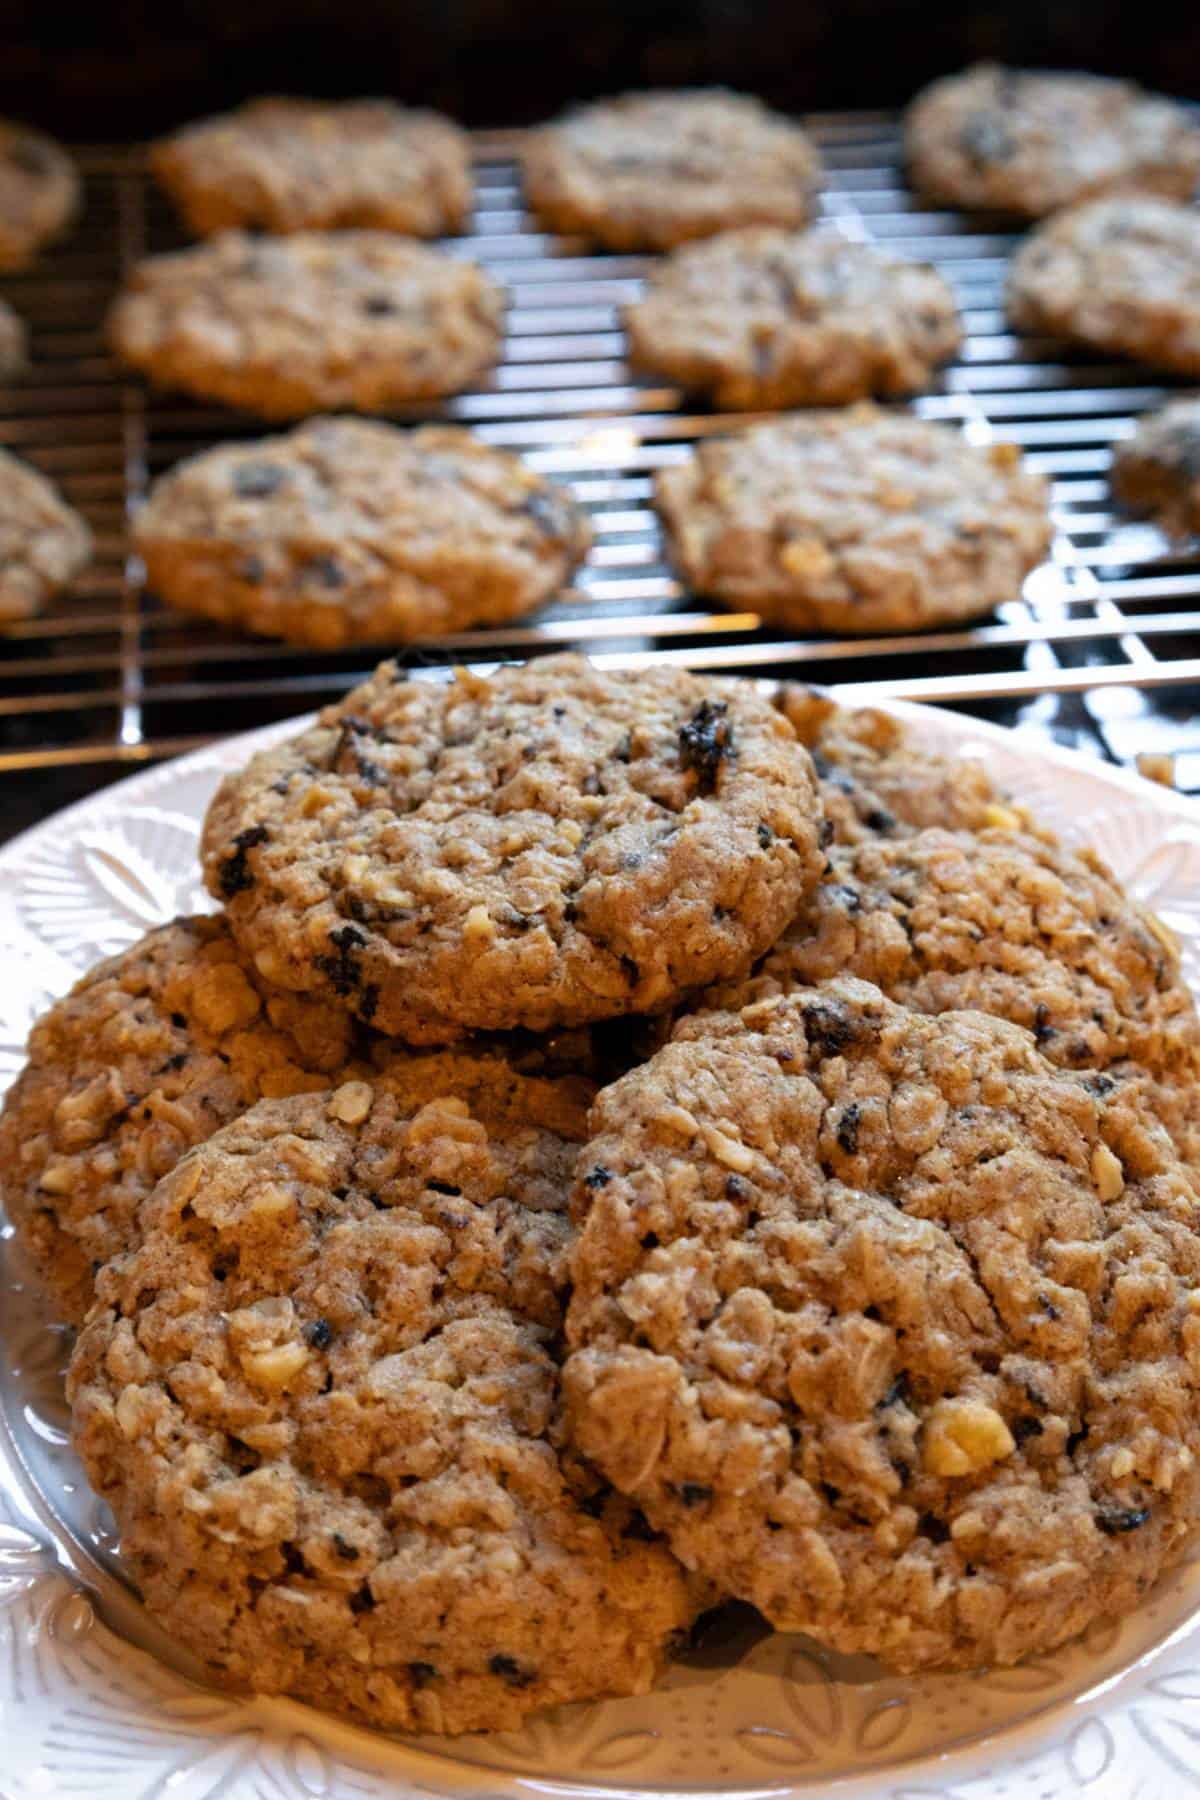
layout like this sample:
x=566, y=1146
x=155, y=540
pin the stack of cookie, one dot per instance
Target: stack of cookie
x=626, y=1141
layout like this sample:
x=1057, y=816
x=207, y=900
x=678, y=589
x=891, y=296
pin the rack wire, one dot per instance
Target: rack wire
x=1100, y=649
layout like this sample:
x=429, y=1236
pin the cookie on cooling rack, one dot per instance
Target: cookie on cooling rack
x=14, y=343
x=284, y=165
x=769, y=318
x=348, y=531
x=39, y=193
x=1120, y=275
x=647, y=171
x=311, y=322
x=1031, y=141
x=889, y=1325
x=150, y=1053
x=855, y=521
x=1156, y=472
x=876, y=781
x=44, y=543
x=322, y=1398
x=552, y=845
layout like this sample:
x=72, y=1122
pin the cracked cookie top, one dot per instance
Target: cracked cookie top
x=876, y=780
x=1030, y=141
x=890, y=1325
x=322, y=1397
x=1120, y=274
x=646, y=171
x=768, y=318
x=309, y=323
x=349, y=531
x=548, y=846
x=854, y=520
x=1002, y=923
x=149, y=1054
x=285, y=165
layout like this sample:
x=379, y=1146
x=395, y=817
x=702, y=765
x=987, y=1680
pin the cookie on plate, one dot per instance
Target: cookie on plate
x=650, y=170
x=1120, y=275
x=769, y=318
x=876, y=781
x=1156, y=472
x=889, y=1325
x=44, y=543
x=322, y=1398
x=14, y=343
x=348, y=531
x=1031, y=141
x=307, y=323
x=552, y=845
x=1001, y=922
x=39, y=193
x=284, y=165
x=149, y=1054
x=854, y=521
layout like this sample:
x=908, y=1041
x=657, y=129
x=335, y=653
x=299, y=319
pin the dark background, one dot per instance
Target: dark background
x=133, y=67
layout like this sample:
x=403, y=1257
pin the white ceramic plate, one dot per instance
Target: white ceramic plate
x=94, y=1701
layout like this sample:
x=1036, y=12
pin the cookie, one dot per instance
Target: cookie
x=14, y=343
x=650, y=170
x=308, y=323
x=889, y=1326
x=351, y=532
x=1029, y=142
x=149, y=1054
x=322, y=1398
x=1156, y=472
x=284, y=165
x=876, y=781
x=855, y=521
x=1118, y=275
x=39, y=193
x=44, y=543
x=1003, y=923
x=550, y=846
x=767, y=318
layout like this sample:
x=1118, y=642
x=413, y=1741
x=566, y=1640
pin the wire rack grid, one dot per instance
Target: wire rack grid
x=1099, y=649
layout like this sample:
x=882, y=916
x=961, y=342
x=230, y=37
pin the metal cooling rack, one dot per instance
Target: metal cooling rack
x=1100, y=650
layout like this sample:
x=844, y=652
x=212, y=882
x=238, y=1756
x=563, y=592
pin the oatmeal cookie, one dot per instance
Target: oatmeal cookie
x=854, y=521
x=309, y=323
x=998, y=922
x=891, y=1326
x=284, y=165
x=1156, y=472
x=553, y=845
x=650, y=170
x=876, y=781
x=149, y=1054
x=44, y=543
x=768, y=318
x=1031, y=141
x=1118, y=275
x=322, y=1398
x=14, y=343
x=348, y=531
x=39, y=193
